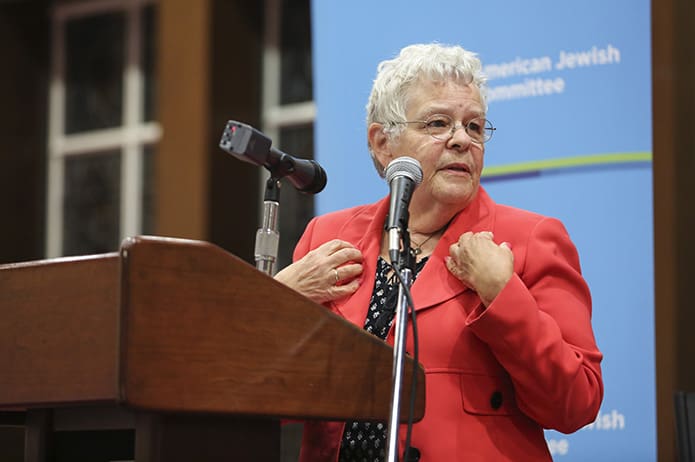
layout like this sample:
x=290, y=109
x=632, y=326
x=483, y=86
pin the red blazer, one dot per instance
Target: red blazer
x=495, y=377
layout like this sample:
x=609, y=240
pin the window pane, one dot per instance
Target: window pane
x=296, y=68
x=94, y=72
x=296, y=209
x=149, y=53
x=148, y=190
x=91, y=207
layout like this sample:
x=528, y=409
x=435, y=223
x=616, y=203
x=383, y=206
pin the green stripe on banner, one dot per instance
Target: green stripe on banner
x=566, y=162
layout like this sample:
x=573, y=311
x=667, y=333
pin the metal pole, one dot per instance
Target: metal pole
x=399, y=342
x=268, y=236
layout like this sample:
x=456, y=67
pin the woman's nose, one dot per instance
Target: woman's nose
x=459, y=137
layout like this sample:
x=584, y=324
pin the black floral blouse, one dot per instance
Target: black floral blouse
x=366, y=441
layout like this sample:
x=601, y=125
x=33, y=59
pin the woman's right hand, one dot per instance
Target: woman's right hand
x=329, y=272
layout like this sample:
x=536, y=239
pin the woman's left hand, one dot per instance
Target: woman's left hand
x=481, y=264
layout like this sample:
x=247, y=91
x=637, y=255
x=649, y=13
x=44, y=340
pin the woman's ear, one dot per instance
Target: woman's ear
x=379, y=144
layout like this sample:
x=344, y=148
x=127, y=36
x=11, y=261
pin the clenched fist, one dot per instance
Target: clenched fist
x=481, y=264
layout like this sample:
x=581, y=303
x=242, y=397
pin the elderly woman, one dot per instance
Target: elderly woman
x=504, y=315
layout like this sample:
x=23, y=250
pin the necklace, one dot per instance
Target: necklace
x=417, y=250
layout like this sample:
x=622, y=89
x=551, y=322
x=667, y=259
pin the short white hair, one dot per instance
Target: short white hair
x=395, y=78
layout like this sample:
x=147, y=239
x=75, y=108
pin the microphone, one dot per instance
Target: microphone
x=249, y=145
x=403, y=174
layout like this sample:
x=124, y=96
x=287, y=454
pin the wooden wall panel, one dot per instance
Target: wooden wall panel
x=673, y=96
x=182, y=166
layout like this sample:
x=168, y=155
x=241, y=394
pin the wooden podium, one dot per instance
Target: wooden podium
x=192, y=347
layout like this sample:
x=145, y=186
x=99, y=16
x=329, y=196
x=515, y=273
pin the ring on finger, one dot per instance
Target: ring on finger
x=337, y=276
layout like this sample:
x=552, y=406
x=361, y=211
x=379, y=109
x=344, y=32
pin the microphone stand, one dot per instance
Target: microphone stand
x=268, y=236
x=406, y=268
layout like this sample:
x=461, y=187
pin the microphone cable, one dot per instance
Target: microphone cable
x=416, y=358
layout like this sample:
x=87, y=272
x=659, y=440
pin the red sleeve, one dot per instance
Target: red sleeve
x=539, y=329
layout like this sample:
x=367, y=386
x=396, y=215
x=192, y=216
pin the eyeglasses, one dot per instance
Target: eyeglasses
x=442, y=127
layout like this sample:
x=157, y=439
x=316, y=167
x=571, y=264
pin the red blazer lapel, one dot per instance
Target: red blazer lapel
x=368, y=240
x=435, y=284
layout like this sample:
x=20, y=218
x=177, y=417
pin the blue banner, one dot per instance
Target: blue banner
x=570, y=95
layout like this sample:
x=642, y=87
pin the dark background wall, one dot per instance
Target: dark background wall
x=673, y=96
x=24, y=58
x=236, y=57
x=23, y=96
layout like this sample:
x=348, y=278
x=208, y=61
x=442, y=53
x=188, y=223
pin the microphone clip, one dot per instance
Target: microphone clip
x=399, y=238
x=406, y=257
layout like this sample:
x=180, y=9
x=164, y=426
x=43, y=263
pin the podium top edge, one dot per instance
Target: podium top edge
x=57, y=260
x=126, y=243
x=134, y=240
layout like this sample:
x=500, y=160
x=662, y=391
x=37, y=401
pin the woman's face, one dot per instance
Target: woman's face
x=452, y=168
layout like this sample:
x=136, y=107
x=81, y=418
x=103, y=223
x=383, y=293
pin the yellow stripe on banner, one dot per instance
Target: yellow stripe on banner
x=566, y=162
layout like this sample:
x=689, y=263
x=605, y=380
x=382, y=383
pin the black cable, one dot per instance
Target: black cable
x=416, y=357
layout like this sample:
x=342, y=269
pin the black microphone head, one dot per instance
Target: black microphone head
x=248, y=144
x=308, y=176
x=245, y=143
x=404, y=166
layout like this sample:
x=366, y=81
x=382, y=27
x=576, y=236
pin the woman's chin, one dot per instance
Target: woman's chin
x=459, y=197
